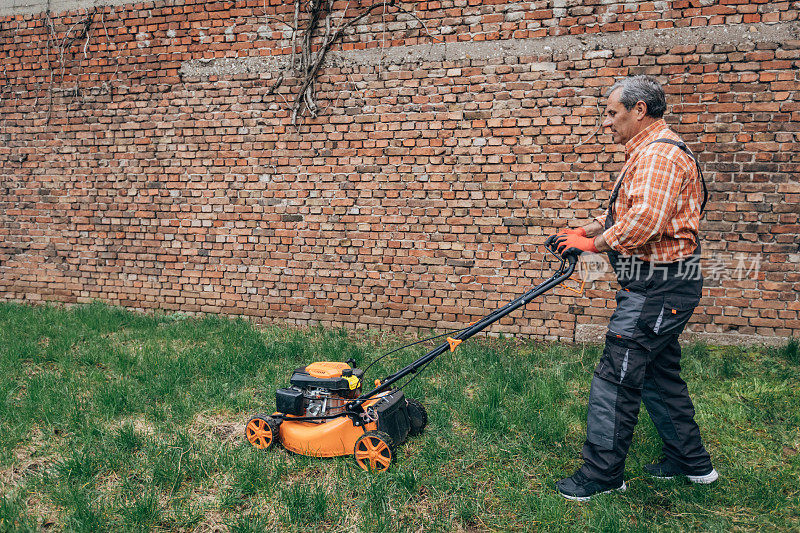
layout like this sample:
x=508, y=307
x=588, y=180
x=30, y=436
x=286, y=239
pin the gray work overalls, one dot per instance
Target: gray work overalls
x=641, y=362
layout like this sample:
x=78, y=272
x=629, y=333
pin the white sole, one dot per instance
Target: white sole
x=711, y=477
x=706, y=479
x=623, y=488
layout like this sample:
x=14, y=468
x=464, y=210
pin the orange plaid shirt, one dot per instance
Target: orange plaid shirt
x=657, y=211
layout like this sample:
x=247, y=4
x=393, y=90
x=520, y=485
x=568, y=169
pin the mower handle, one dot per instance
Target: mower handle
x=564, y=271
x=570, y=254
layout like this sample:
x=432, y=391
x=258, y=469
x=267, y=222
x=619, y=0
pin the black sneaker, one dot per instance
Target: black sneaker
x=666, y=469
x=581, y=489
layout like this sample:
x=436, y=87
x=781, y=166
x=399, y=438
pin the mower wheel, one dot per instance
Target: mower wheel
x=262, y=431
x=374, y=451
x=418, y=416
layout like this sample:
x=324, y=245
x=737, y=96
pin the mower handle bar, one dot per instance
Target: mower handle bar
x=565, y=270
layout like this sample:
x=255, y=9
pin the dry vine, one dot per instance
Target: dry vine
x=74, y=42
x=83, y=27
x=318, y=13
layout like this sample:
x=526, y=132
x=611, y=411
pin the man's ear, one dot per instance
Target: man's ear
x=640, y=108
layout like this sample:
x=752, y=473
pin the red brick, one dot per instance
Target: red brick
x=416, y=199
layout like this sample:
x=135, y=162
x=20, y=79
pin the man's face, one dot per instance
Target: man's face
x=624, y=123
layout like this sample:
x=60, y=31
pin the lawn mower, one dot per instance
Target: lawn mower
x=325, y=413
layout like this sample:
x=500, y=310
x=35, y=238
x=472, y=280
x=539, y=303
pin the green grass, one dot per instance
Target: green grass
x=113, y=420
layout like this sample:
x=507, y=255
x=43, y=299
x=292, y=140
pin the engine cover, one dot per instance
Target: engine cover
x=328, y=375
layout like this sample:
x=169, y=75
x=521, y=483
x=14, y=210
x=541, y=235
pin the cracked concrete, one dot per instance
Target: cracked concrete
x=589, y=45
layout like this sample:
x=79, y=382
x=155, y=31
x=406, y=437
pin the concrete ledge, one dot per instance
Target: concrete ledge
x=9, y=8
x=596, y=333
x=519, y=48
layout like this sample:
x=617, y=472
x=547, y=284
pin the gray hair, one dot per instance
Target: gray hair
x=641, y=89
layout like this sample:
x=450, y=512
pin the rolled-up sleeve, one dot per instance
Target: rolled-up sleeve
x=652, y=191
x=602, y=218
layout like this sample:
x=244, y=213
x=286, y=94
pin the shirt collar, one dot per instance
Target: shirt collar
x=643, y=137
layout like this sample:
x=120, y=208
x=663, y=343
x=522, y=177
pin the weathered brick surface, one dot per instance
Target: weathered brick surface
x=421, y=195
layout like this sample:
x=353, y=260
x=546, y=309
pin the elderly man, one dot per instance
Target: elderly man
x=650, y=234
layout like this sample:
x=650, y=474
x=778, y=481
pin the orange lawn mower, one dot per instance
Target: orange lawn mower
x=324, y=413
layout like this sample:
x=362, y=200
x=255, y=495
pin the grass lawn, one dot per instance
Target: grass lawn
x=113, y=420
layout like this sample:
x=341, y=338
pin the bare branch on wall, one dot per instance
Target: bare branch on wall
x=311, y=42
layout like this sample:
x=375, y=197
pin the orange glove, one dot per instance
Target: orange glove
x=567, y=244
x=576, y=231
x=550, y=242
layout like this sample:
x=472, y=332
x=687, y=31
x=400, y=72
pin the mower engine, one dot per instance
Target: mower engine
x=320, y=389
x=324, y=389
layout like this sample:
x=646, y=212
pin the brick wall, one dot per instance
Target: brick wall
x=145, y=163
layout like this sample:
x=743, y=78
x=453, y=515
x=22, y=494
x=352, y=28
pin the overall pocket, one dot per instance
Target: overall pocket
x=667, y=314
x=623, y=362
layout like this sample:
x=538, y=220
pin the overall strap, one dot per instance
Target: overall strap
x=612, y=200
